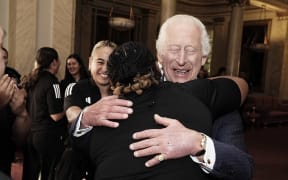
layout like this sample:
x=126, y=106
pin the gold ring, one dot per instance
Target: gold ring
x=161, y=157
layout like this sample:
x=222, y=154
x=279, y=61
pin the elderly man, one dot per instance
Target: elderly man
x=181, y=56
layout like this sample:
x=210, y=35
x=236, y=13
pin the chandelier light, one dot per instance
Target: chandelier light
x=122, y=23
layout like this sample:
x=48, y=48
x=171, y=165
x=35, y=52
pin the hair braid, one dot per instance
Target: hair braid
x=139, y=83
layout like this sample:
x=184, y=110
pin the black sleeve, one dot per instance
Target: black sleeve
x=54, y=99
x=220, y=95
x=225, y=97
x=72, y=96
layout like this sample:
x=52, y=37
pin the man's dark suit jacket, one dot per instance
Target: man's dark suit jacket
x=232, y=161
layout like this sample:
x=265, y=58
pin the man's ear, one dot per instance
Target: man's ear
x=159, y=58
x=203, y=60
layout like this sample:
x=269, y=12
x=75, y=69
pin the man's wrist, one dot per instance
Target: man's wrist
x=80, y=131
x=207, y=160
x=83, y=121
x=203, y=141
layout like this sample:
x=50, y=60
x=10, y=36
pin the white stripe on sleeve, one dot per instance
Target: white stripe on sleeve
x=57, y=91
x=68, y=90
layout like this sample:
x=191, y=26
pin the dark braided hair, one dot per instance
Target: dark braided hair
x=132, y=68
x=44, y=57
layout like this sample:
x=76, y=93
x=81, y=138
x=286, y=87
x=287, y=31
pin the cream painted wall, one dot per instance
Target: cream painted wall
x=32, y=24
x=63, y=24
x=21, y=34
x=4, y=18
x=44, y=23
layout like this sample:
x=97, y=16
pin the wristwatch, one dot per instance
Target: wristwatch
x=202, y=145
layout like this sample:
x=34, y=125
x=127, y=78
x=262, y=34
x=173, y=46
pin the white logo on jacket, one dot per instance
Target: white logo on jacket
x=56, y=88
x=88, y=100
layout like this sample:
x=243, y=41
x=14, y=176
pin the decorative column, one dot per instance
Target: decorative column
x=168, y=9
x=235, y=37
x=283, y=92
x=220, y=29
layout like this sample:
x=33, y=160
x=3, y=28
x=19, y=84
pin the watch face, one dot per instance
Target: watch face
x=203, y=141
x=203, y=146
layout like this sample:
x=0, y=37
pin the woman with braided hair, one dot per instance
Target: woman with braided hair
x=134, y=76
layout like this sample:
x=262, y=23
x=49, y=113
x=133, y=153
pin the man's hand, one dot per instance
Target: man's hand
x=7, y=88
x=173, y=141
x=110, y=107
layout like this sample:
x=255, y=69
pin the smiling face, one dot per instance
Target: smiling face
x=98, y=65
x=182, y=56
x=73, y=66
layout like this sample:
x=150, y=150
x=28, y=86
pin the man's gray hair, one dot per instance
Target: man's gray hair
x=189, y=21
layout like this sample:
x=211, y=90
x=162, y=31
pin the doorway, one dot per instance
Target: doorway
x=254, y=54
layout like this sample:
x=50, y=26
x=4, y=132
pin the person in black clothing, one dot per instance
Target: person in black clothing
x=134, y=76
x=14, y=122
x=75, y=70
x=45, y=106
x=70, y=164
x=84, y=94
x=99, y=78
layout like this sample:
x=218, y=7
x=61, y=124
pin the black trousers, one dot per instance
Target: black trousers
x=31, y=161
x=44, y=153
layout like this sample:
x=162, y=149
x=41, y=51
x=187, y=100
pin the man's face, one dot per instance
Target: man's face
x=182, y=57
x=98, y=65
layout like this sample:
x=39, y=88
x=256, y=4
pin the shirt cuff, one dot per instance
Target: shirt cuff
x=80, y=132
x=209, y=157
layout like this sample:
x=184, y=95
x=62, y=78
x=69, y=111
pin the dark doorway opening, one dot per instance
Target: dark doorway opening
x=253, y=54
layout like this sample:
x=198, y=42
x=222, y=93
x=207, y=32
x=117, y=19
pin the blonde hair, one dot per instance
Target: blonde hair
x=104, y=43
